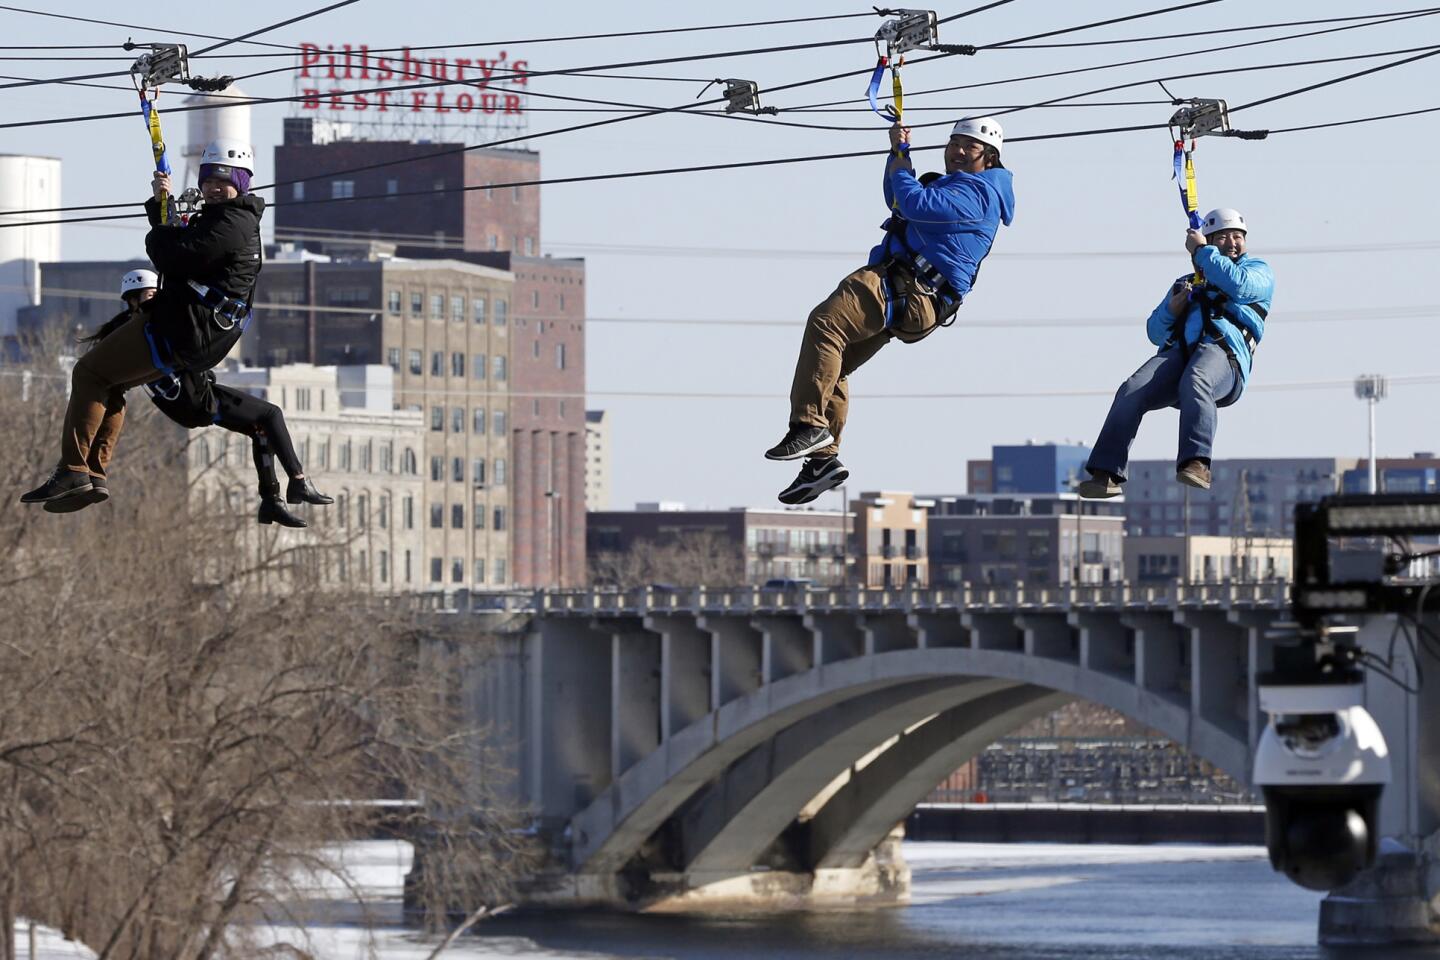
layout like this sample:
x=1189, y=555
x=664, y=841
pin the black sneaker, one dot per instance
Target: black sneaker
x=816, y=476
x=303, y=491
x=99, y=492
x=63, y=483
x=800, y=441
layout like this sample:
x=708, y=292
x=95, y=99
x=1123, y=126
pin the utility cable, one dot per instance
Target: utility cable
x=132, y=26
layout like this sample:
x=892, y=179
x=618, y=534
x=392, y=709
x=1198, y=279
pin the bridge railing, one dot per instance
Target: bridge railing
x=754, y=599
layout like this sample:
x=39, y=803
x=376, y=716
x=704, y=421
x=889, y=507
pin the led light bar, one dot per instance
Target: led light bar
x=1407, y=513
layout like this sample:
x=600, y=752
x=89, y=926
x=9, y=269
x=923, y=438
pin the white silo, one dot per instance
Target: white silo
x=229, y=122
x=26, y=183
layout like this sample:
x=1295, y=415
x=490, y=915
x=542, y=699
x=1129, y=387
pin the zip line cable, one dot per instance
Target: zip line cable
x=1130, y=63
x=1346, y=123
x=132, y=26
x=274, y=26
x=773, y=162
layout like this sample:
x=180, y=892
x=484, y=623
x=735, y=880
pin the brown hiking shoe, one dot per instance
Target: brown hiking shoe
x=1194, y=473
x=1100, y=486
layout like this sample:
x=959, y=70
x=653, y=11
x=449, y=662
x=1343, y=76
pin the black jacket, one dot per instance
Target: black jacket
x=221, y=249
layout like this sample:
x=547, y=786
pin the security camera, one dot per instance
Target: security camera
x=1322, y=764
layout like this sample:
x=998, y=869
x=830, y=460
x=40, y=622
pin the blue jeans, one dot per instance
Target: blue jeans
x=1197, y=384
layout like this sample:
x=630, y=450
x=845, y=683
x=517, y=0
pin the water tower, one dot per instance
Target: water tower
x=26, y=183
x=230, y=122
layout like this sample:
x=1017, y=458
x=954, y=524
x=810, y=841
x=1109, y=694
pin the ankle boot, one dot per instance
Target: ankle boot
x=303, y=491
x=272, y=510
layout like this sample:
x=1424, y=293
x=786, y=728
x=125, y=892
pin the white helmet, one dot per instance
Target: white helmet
x=985, y=129
x=231, y=153
x=1223, y=218
x=138, y=280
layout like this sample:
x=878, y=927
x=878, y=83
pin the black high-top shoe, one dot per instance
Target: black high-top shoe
x=99, y=492
x=303, y=491
x=62, y=485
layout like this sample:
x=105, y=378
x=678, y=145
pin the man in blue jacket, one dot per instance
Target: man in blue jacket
x=1207, y=334
x=936, y=237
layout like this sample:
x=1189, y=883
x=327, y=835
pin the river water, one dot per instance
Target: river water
x=976, y=901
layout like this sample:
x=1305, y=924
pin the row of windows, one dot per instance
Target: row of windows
x=499, y=367
x=457, y=570
x=477, y=470
x=457, y=517
x=478, y=312
x=457, y=420
x=366, y=456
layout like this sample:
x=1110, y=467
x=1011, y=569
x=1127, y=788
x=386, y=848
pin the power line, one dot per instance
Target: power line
x=131, y=26
x=1353, y=121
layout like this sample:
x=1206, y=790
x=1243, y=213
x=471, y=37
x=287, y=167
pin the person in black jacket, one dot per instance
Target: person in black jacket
x=209, y=269
x=195, y=400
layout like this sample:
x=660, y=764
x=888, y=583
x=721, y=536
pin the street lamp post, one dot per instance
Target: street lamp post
x=1372, y=388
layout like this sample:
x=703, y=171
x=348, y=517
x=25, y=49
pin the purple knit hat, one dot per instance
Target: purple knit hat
x=238, y=176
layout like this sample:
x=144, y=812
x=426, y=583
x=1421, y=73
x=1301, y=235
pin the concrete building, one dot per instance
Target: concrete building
x=26, y=183
x=1254, y=497
x=1039, y=539
x=597, y=459
x=891, y=539
x=360, y=450
x=1418, y=474
x=1206, y=559
x=770, y=544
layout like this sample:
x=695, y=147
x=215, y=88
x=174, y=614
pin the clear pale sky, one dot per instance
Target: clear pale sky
x=1098, y=234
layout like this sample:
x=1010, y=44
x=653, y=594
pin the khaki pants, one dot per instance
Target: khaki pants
x=96, y=412
x=843, y=332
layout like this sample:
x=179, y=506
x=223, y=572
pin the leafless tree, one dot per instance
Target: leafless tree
x=194, y=716
x=690, y=559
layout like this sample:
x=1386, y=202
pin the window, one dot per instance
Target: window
x=322, y=455
x=499, y=423
x=437, y=306
x=437, y=515
x=437, y=468
x=529, y=246
x=535, y=299
x=392, y=187
x=392, y=302
x=499, y=364
x=392, y=357
x=409, y=463
x=415, y=362
x=477, y=471
x=535, y=347
x=342, y=189
x=499, y=522
x=384, y=516
x=387, y=458
x=437, y=418
x=480, y=570
x=457, y=419
x=514, y=194
x=407, y=566
x=362, y=510
x=494, y=242
x=559, y=356
x=479, y=513
x=457, y=309
x=499, y=569
x=478, y=362
x=479, y=419
x=499, y=471
x=437, y=569
x=344, y=458
x=409, y=512
x=457, y=516
x=437, y=363
x=297, y=191
x=457, y=365
x=302, y=398
x=384, y=566
x=366, y=457
x=457, y=571
x=457, y=469
x=417, y=304
x=502, y=312
x=477, y=309
x=562, y=303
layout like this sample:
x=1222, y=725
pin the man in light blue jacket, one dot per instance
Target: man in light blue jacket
x=936, y=237
x=1207, y=333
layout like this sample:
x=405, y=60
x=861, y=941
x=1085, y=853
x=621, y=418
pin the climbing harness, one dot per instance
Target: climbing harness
x=910, y=30
x=227, y=312
x=164, y=63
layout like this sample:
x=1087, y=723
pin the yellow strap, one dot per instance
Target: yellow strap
x=1192, y=200
x=157, y=149
x=897, y=90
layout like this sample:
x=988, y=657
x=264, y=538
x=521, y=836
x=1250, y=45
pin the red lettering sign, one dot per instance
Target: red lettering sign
x=472, y=76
